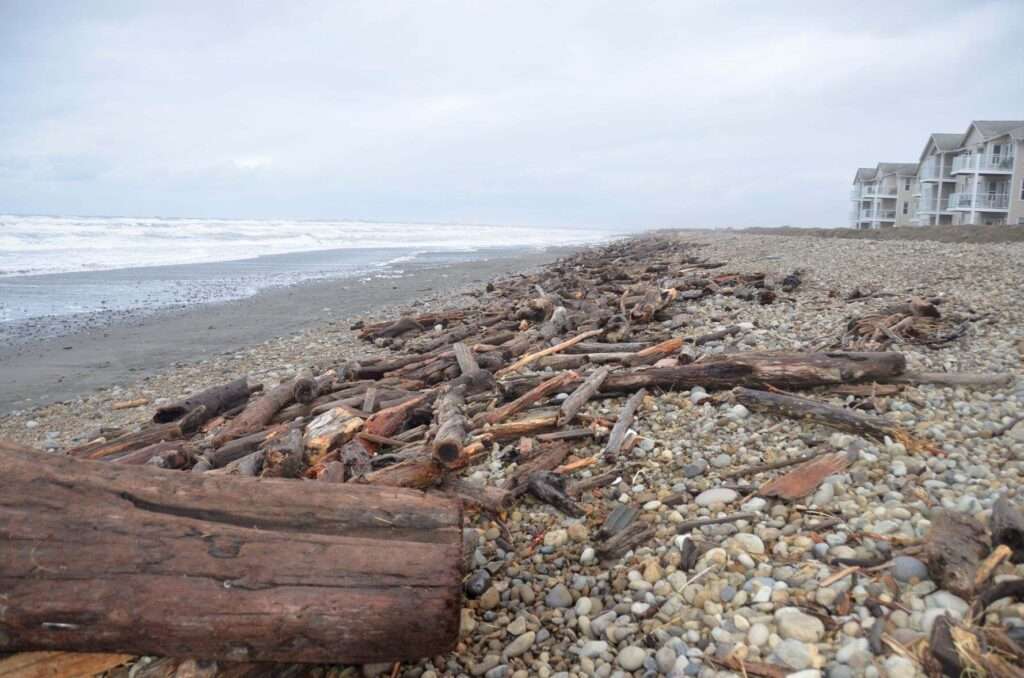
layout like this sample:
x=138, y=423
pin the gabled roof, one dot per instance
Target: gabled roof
x=887, y=168
x=864, y=174
x=947, y=142
x=996, y=128
x=1017, y=134
x=943, y=141
x=989, y=129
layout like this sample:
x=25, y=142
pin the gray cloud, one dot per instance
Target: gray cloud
x=560, y=113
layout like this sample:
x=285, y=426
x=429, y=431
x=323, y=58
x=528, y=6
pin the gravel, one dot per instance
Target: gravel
x=553, y=606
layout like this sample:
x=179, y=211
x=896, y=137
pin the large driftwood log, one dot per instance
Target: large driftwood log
x=790, y=371
x=216, y=399
x=805, y=409
x=102, y=557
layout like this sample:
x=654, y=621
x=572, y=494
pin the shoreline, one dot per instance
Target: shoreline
x=117, y=348
x=547, y=601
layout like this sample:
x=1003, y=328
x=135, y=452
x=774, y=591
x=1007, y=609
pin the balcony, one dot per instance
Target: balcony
x=983, y=201
x=989, y=164
x=878, y=215
x=929, y=171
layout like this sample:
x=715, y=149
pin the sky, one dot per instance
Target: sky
x=598, y=114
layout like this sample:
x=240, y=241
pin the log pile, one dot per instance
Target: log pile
x=917, y=321
x=509, y=377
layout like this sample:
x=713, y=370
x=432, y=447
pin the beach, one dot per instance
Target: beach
x=770, y=581
x=62, y=357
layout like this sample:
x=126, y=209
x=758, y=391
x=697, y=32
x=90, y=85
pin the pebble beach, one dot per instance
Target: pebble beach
x=540, y=602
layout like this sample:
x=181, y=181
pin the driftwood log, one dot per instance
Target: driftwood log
x=954, y=550
x=124, y=558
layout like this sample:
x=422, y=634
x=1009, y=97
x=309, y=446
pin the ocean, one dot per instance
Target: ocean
x=66, y=266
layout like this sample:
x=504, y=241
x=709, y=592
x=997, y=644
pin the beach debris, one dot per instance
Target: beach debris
x=806, y=477
x=218, y=548
x=917, y=321
x=517, y=383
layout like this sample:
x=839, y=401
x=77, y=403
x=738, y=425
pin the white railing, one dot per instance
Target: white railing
x=878, y=215
x=982, y=163
x=983, y=201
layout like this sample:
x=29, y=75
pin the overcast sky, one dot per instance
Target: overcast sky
x=591, y=113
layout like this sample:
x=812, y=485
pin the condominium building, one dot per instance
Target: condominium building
x=976, y=177
x=935, y=180
x=883, y=196
x=988, y=169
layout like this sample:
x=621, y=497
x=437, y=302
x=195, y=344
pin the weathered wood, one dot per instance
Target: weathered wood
x=285, y=456
x=60, y=664
x=622, y=424
x=561, y=346
x=258, y=413
x=487, y=497
x=215, y=399
x=954, y=549
x=790, y=371
x=304, y=387
x=451, y=426
x=806, y=477
x=539, y=392
x=805, y=409
x=1007, y=527
x=103, y=557
x=331, y=429
x=546, y=458
x=150, y=435
x=951, y=378
x=583, y=393
x=390, y=420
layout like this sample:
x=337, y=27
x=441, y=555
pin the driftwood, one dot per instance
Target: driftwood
x=216, y=400
x=618, y=435
x=297, y=566
x=539, y=392
x=806, y=477
x=258, y=414
x=1007, y=527
x=583, y=393
x=822, y=413
x=954, y=549
x=451, y=426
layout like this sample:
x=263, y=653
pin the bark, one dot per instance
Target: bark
x=103, y=557
x=954, y=549
x=258, y=413
x=1007, y=527
x=821, y=413
x=451, y=426
x=130, y=442
x=583, y=393
x=622, y=424
x=539, y=392
x=561, y=346
x=805, y=479
x=216, y=400
x=789, y=371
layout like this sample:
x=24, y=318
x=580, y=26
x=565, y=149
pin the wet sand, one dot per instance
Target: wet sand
x=123, y=348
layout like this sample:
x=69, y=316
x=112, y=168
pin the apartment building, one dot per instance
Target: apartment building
x=935, y=180
x=988, y=169
x=976, y=177
x=883, y=196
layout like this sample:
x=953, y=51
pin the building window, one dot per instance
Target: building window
x=906, y=185
x=1022, y=189
x=904, y=208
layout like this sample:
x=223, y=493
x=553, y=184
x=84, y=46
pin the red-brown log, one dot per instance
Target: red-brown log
x=114, y=558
